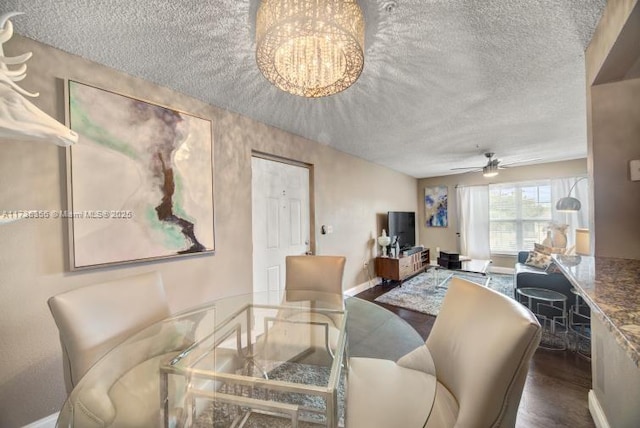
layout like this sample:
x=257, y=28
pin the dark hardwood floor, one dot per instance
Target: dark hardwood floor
x=555, y=394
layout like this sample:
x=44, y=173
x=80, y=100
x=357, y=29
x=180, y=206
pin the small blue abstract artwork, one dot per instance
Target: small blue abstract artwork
x=435, y=206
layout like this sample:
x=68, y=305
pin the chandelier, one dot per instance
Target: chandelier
x=311, y=48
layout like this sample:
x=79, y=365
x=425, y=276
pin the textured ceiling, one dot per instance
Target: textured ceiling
x=443, y=81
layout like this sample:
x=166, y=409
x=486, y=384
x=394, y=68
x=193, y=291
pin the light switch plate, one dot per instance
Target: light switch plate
x=634, y=167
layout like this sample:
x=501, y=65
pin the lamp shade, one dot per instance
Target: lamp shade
x=568, y=204
x=582, y=242
x=311, y=48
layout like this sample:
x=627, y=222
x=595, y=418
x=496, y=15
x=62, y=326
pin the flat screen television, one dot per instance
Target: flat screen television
x=403, y=225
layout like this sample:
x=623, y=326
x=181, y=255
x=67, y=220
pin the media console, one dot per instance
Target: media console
x=411, y=251
x=404, y=267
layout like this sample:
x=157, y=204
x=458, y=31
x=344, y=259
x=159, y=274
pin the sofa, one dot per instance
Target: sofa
x=529, y=276
x=578, y=314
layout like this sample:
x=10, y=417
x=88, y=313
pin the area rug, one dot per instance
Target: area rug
x=424, y=292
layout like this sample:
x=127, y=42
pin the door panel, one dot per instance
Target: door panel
x=273, y=278
x=273, y=223
x=280, y=216
x=295, y=211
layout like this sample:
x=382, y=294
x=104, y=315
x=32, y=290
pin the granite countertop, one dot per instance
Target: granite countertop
x=611, y=288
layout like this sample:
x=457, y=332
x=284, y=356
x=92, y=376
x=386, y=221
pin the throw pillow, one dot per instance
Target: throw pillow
x=553, y=268
x=537, y=259
x=548, y=250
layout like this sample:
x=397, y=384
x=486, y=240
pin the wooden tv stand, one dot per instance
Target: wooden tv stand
x=399, y=269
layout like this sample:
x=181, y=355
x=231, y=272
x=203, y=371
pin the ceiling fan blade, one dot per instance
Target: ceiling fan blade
x=492, y=162
x=503, y=165
x=468, y=167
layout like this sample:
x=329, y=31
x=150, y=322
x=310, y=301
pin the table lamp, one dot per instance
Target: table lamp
x=582, y=242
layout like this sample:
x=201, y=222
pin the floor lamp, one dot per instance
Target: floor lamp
x=571, y=204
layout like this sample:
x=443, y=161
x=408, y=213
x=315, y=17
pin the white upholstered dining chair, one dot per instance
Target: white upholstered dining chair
x=318, y=281
x=93, y=319
x=319, y=274
x=477, y=355
x=114, y=328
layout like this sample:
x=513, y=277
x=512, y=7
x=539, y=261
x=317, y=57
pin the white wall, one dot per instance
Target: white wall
x=615, y=128
x=350, y=195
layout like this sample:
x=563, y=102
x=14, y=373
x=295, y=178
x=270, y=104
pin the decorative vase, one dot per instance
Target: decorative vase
x=384, y=241
x=396, y=247
x=559, y=238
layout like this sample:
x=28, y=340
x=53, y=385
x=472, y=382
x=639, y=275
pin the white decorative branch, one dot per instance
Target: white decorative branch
x=19, y=118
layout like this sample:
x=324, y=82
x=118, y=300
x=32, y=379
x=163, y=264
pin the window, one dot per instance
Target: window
x=519, y=214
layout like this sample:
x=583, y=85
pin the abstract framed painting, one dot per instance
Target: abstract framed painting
x=436, y=206
x=139, y=180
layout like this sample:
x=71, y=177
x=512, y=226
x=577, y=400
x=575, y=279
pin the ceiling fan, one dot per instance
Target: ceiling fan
x=493, y=165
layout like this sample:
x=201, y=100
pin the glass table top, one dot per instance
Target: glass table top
x=284, y=360
x=541, y=294
x=249, y=360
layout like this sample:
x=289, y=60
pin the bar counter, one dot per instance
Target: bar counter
x=611, y=288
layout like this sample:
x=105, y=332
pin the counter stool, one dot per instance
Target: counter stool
x=580, y=327
x=550, y=307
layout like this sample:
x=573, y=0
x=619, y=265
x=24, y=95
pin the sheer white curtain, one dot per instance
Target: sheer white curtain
x=559, y=189
x=473, y=221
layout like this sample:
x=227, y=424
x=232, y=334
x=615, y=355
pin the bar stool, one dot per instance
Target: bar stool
x=550, y=307
x=580, y=326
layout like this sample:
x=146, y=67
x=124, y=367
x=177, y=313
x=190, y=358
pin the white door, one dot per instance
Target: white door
x=280, y=201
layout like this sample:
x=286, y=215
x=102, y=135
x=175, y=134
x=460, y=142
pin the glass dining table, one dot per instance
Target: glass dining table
x=254, y=360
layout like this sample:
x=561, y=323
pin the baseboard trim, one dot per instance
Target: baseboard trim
x=46, y=422
x=362, y=287
x=599, y=418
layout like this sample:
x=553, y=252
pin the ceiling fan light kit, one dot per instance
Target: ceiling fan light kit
x=311, y=48
x=490, y=170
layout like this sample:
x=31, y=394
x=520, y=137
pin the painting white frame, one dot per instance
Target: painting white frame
x=139, y=180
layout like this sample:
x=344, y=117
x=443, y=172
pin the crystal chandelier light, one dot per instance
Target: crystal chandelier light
x=311, y=48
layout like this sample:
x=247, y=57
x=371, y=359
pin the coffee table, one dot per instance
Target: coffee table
x=472, y=266
x=478, y=266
